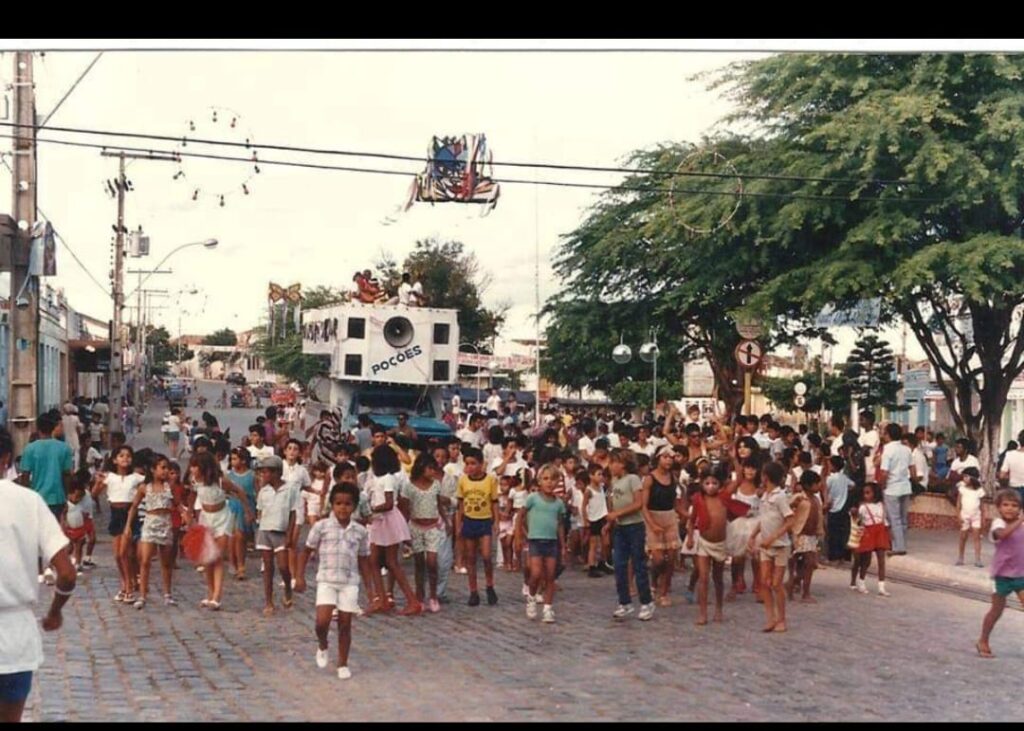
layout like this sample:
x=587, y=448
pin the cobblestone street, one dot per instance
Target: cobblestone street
x=850, y=657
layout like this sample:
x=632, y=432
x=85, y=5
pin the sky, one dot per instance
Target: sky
x=317, y=227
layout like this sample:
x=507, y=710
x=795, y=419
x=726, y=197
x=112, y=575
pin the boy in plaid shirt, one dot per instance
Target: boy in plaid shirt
x=343, y=547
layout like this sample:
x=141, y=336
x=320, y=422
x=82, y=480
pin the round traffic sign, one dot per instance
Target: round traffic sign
x=749, y=329
x=748, y=354
x=799, y=401
x=800, y=388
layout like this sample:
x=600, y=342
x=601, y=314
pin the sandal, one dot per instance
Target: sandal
x=119, y=597
x=204, y=603
x=288, y=602
x=215, y=606
x=411, y=610
x=985, y=652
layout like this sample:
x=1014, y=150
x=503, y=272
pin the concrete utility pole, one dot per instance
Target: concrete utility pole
x=116, y=342
x=24, y=319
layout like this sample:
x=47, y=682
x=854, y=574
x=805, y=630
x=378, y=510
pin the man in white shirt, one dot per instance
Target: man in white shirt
x=472, y=434
x=894, y=477
x=1013, y=466
x=643, y=444
x=456, y=404
x=28, y=534
x=919, y=461
x=72, y=432
x=585, y=444
x=493, y=402
x=964, y=458
x=410, y=295
x=257, y=448
x=869, y=441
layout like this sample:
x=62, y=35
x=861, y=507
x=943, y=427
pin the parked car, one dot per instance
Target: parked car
x=236, y=378
x=176, y=395
x=238, y=398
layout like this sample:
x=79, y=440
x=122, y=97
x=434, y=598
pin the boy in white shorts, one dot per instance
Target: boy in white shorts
x=343, y=546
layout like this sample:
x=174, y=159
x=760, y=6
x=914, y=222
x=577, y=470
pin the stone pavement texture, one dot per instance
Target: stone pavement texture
x=850, y=657
x=909, y=657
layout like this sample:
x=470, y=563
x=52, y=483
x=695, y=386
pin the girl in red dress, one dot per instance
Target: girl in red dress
x=871, y=514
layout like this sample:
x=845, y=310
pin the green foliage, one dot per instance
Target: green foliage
x=641, y=393
x=834, y=396
x=634, y=263
x=224, y=336
x=871, y=371
x=163, y=351
x=919, y=200
x=451, y=278
x=285, y=357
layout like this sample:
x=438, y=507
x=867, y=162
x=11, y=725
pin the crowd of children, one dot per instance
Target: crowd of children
x=534, y=502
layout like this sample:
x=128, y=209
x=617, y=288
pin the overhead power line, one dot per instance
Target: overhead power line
x=505, y=163
x=516, y=181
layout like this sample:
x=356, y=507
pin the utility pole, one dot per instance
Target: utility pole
x=24, y=319
x=116, y=342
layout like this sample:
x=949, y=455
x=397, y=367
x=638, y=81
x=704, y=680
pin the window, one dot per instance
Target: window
x=353, y=363
x=357, y=328
x=442, y=331
x=441, y=369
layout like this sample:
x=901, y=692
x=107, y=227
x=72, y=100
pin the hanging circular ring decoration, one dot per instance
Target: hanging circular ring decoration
x=222, y=124
x=706, y=161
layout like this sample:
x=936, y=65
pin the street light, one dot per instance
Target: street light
x=649, y=353
x=207, y=244
x=477, y=351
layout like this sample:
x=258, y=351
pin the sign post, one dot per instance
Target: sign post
x=748, y=354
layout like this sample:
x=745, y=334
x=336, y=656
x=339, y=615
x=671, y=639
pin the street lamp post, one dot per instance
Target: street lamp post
x=477, y=351
x=649, y=353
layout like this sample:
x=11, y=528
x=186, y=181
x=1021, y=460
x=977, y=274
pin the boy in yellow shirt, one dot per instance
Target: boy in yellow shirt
x=477, y=520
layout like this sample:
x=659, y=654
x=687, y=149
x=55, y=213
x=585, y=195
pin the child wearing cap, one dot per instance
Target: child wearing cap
x=274, y=506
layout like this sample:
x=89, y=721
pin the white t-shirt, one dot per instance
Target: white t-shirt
x=258, y=453
x=380, y=486
x=510, y=469
x=919, y=460
x=28, y=532
x=74, y=515
x=1013, y=463
x=896, y=463
x=597, y=504
x=297, y=476
x=869, y=441
x=647, y=449
x=493, y=403
x=473, y=438
x=959, y=465
x=456, y=404
x=576, y=500
x=173, y=423
x=585, y=444
x=121, y=489
x=970, y=500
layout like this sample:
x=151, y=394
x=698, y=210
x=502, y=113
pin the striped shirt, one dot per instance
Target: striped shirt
x=339, y=548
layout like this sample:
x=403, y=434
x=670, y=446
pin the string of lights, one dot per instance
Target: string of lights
x=550, y=183
x=505, y=163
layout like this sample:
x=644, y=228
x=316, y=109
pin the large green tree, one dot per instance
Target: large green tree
x=662, y=250
x=224, y=336
x=871, y=370
x=905, y=177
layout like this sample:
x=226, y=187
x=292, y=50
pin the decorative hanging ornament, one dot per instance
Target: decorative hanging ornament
x=707, y=169
x=217, y=179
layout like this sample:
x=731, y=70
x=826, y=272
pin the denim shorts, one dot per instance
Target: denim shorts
x=14, y=687
x=473, y=528
x=543, y=548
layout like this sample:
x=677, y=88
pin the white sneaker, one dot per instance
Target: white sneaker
x=623, y=610
x=344, y=673
x=861, y=586
x=531, y=607
x=321, y=658
x=549, y=614
x=883, y=592
x=646, y=612
x=526, y=590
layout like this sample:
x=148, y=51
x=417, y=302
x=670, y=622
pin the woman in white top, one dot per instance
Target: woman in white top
x=173, y=433
x=121, y=486
x=211, y=487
